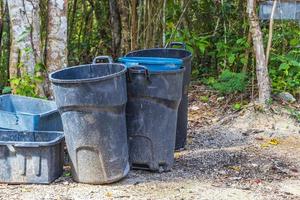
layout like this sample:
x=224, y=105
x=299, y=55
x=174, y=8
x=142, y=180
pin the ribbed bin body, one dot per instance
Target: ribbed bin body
x=153, y=100
x=28, y=114
x=30, y=157
x=92, y=100
x=185, y=56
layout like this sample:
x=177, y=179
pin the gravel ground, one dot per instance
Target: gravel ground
x=248, y=155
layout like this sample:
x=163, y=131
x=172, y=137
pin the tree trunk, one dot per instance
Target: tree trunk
x=269, y=45
x=149, y=24
x=125, y=31
x=261, y=67
x=115, y=27
x=25, y=36
x=56, y=49
x=1, y=25
x=134, y=25
x=56, y=57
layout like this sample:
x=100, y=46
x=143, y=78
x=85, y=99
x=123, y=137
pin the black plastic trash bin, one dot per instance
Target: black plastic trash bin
x=92, y=99
x=152, y=107
x=186, y=57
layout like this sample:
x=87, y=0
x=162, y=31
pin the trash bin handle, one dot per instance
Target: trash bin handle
x=182, y=44
x=138, y=68
x=110, y=60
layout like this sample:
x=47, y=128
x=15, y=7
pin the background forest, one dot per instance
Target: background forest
x=216, y=31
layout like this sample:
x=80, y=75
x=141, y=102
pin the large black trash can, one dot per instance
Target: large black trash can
x=91, y=100
x=152, y=107
x=186, y=57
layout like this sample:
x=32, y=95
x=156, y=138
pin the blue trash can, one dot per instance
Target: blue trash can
x=154, y=88
x=28, y=114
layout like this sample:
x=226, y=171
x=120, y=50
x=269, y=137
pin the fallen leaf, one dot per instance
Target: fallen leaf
x=108, y=194
x=25, y=190
x=177, y=155
x=235, y=168
x=273, y=142
x=67, y=174
x=265, y=145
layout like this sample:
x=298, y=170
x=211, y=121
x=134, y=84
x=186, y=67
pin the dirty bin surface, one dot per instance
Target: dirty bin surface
x=92, y=100
x=153, y=100
x=186, y=57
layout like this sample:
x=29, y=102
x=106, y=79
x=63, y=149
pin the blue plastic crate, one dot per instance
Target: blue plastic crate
x=30, y=157
x=28, y=114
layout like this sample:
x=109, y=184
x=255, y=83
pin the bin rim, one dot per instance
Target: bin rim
x=55, y=141
x=151, y=60
x=86, y=80
x=190, y=54
x=30, y=114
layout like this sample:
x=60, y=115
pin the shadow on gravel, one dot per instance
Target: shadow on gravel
x=219, y=155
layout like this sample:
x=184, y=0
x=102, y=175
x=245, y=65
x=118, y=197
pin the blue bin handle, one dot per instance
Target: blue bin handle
x=138, y=69
x=182, y=44
x=103, y=59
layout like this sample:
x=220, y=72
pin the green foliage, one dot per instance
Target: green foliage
x=285, y=72
x=220, y=44
x=26, y=84
x=204, y=99
x=295, y=114
x=237, y=106
x=6, y=90
x=231, y=82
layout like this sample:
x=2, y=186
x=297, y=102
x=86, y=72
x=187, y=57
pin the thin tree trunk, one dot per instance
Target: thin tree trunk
x=56, y=50
x=263, y=81
x=72, y=20
x=164, y=23
x=25, y=36
x=87, y=29
x=270, y=33
x=7, y=44
x=145, y=14
x=1, y=25
x=125, y=30
x=134, y=25
x=148, y=26
x=115, y=27
x=139, y=36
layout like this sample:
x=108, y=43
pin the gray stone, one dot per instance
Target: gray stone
x=287, y=97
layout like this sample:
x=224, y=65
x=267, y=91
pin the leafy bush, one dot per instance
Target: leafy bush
x=231, y=82
x=27, y=84
x=285, y=73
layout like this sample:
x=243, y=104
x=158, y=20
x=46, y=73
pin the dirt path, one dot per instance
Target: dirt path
x=250, y=155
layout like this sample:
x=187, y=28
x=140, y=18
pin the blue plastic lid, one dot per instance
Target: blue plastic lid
x=153, y=63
